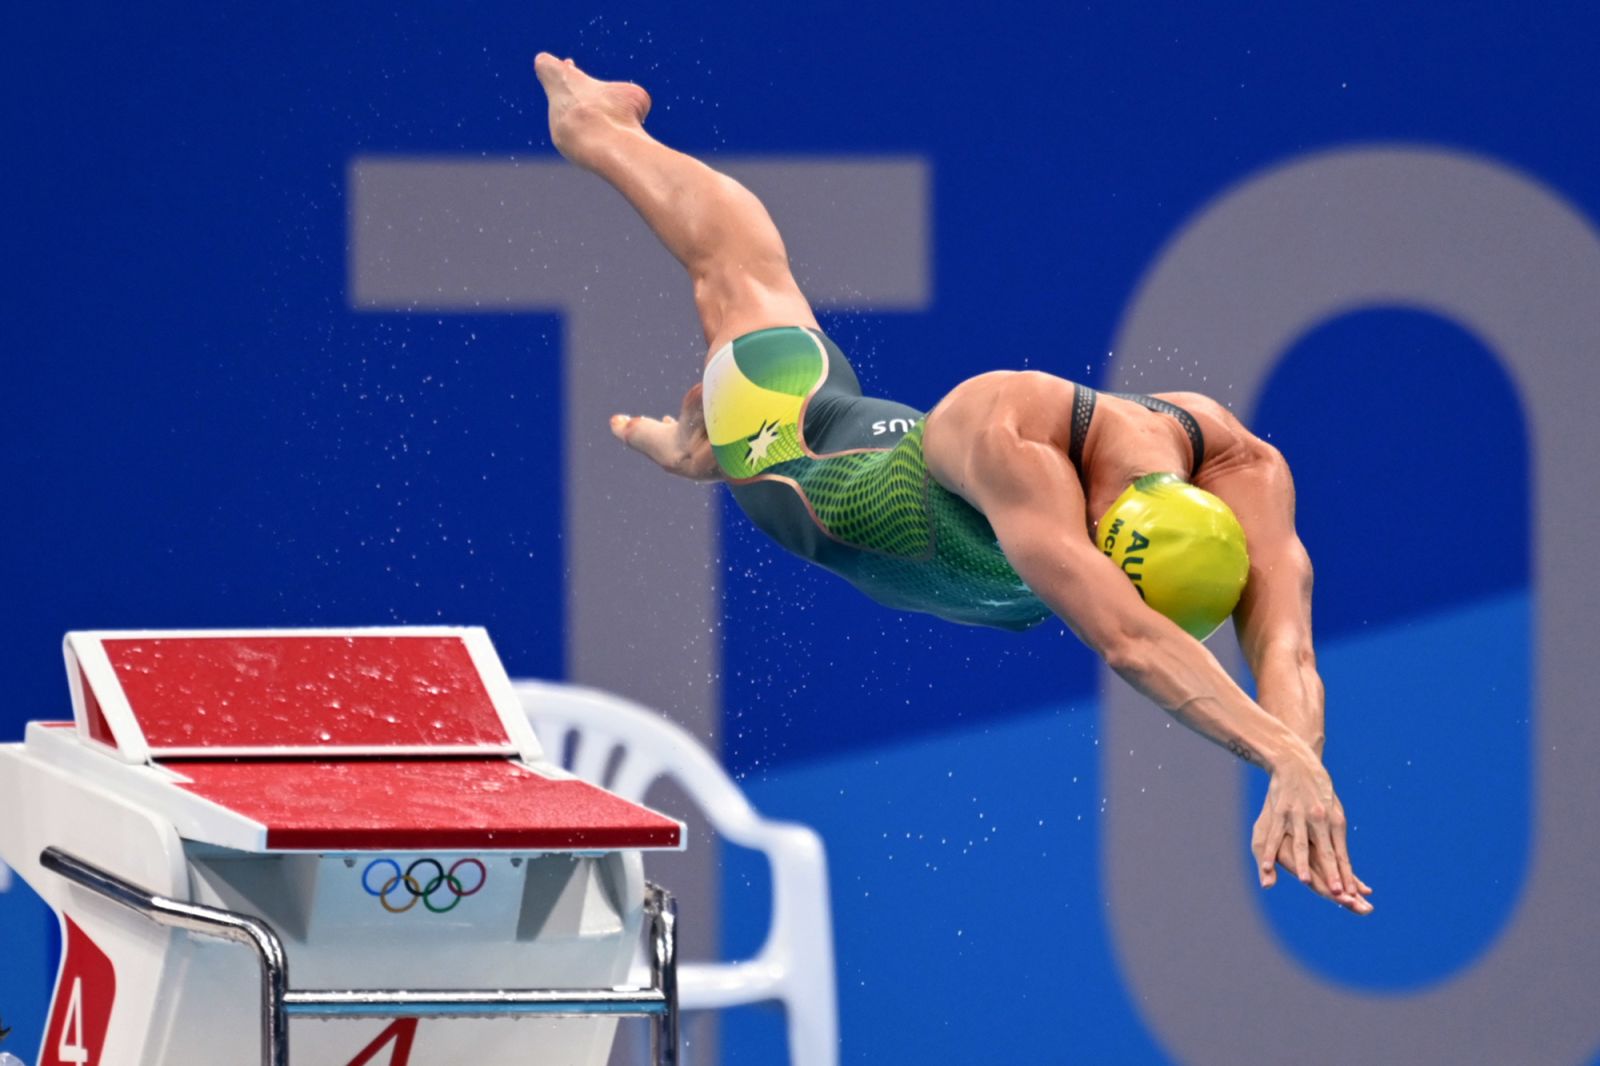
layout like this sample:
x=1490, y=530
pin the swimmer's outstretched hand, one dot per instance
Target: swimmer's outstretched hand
x=1355, y=891
x=677, y=445
x=1302, y=826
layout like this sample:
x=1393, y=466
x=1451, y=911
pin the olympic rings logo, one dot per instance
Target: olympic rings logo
x=408, y=885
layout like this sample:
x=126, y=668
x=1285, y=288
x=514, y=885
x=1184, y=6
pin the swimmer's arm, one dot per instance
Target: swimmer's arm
x=677, y=445
x=1273, y=619
x=1029, y=491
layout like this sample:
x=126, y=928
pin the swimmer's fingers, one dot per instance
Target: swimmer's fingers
x=1341, y=850
x=1332, y=865
x=1269, y=838
x=1319, y=885
x=1327, y=857
x=1350, y=901
x=1302, y=846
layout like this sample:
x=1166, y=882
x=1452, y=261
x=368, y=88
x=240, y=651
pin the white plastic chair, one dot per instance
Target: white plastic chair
x=795, y=964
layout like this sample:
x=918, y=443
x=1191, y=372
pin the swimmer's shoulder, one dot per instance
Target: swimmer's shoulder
x=1228, y=440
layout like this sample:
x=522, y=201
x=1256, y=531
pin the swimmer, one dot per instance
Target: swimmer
x=986, y=510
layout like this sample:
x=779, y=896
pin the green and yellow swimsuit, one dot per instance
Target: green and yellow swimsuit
x=838, y=479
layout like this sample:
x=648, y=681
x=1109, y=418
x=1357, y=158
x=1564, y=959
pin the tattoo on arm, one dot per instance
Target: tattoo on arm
x=1245, y=753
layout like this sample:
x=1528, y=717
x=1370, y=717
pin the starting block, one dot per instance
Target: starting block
x=368, y=813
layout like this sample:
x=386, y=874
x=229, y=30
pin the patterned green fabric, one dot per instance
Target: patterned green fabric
x=772, y=360
x=874, y=500
x=918, y=546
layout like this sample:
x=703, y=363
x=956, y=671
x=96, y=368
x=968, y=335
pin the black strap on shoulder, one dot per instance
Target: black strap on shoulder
x=1083, y=400
x=1197, y=440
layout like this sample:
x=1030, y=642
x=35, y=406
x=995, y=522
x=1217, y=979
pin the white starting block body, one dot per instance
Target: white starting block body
x=375, y=795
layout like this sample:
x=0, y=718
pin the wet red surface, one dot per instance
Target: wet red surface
x=409, y=804
x=306, y=692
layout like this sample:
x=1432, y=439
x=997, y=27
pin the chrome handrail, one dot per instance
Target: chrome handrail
x=207, y=921
x=659, y=1002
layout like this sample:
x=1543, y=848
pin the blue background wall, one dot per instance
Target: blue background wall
x=196, y=431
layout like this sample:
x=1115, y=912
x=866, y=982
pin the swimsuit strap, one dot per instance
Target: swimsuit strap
x=1083, y=400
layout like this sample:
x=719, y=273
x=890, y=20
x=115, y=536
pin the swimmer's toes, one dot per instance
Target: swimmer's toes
x=621, y=101
x=548, y=69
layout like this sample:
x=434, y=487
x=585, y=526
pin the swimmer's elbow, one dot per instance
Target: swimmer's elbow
x=1128, y=654
x=1134, y=645
x=1153, y=668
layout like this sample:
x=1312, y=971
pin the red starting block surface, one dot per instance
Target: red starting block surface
x=239, y=693
x=423, y=691
x=422, y=804
x=339, y=740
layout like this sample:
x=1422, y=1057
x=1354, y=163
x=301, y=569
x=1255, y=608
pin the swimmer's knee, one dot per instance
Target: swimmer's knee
x=733, y=301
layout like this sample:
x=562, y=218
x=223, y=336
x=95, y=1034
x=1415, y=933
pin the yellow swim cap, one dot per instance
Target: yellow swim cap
x=1182, y=548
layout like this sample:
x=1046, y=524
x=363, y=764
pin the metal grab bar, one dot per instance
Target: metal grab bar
x=659, y=1002
x=548, y=1003
x=207, y=921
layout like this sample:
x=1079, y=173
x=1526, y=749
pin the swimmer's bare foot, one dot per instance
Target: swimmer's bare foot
x=581, y=105
x=678, y=445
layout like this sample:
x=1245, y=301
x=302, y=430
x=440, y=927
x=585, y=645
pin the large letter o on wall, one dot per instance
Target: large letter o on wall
x=1475, y=242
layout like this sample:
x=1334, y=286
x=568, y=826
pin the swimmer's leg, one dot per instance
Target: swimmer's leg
x=714, y=226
